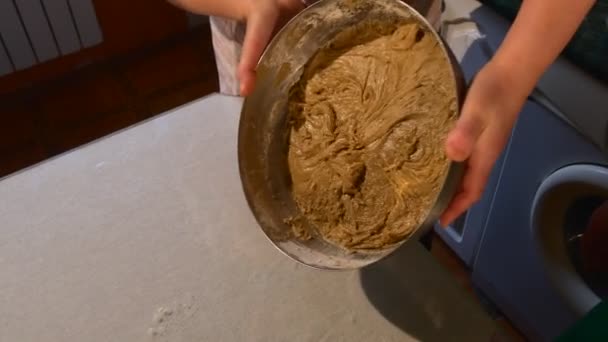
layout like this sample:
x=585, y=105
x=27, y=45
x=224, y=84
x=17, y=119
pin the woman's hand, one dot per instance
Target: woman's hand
x=541, y=30
x=482, y=131
x=263, y=18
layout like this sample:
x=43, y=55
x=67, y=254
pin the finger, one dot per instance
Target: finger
x=479, y=167
x=473, y=183
x=463, y=199
x=260, y=26
x=461, y=140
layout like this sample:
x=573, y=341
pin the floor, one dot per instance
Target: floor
x=452, y=263
x=46, y=120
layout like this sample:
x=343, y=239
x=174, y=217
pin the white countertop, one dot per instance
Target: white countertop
x=146, y=236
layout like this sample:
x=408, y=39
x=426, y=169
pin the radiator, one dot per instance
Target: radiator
x=36, y=31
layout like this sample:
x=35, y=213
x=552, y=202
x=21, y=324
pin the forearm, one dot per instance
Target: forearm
x=233, y=9
x=539, y=34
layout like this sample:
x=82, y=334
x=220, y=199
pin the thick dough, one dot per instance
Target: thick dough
x=368, y=122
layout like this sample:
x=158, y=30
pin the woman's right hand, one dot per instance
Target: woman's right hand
x=263, y=18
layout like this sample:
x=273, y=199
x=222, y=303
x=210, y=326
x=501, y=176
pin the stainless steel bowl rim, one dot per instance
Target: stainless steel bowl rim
x=452, y=178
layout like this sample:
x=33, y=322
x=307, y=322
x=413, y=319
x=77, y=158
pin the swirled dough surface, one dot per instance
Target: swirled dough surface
x=369, y=118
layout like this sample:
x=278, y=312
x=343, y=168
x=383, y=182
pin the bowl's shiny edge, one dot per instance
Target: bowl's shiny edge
x=242, y=172
x=246, y=186
x=455, y=171
x=453, y=175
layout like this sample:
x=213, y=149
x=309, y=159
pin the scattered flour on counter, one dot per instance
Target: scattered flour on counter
x=171, y=318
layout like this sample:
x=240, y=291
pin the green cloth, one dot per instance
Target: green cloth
x=589, y=46
x=593, y=327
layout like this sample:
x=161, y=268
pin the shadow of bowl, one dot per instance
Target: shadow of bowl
x=415, y=294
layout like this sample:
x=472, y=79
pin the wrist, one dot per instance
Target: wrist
x=512, y=77
x=496, y=90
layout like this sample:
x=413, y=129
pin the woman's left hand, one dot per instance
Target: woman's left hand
x=481, y=133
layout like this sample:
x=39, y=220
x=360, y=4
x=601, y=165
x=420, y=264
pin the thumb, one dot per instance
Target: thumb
x=260, y=25
x=461, y=140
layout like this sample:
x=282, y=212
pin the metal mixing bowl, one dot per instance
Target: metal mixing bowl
x=264, y=130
